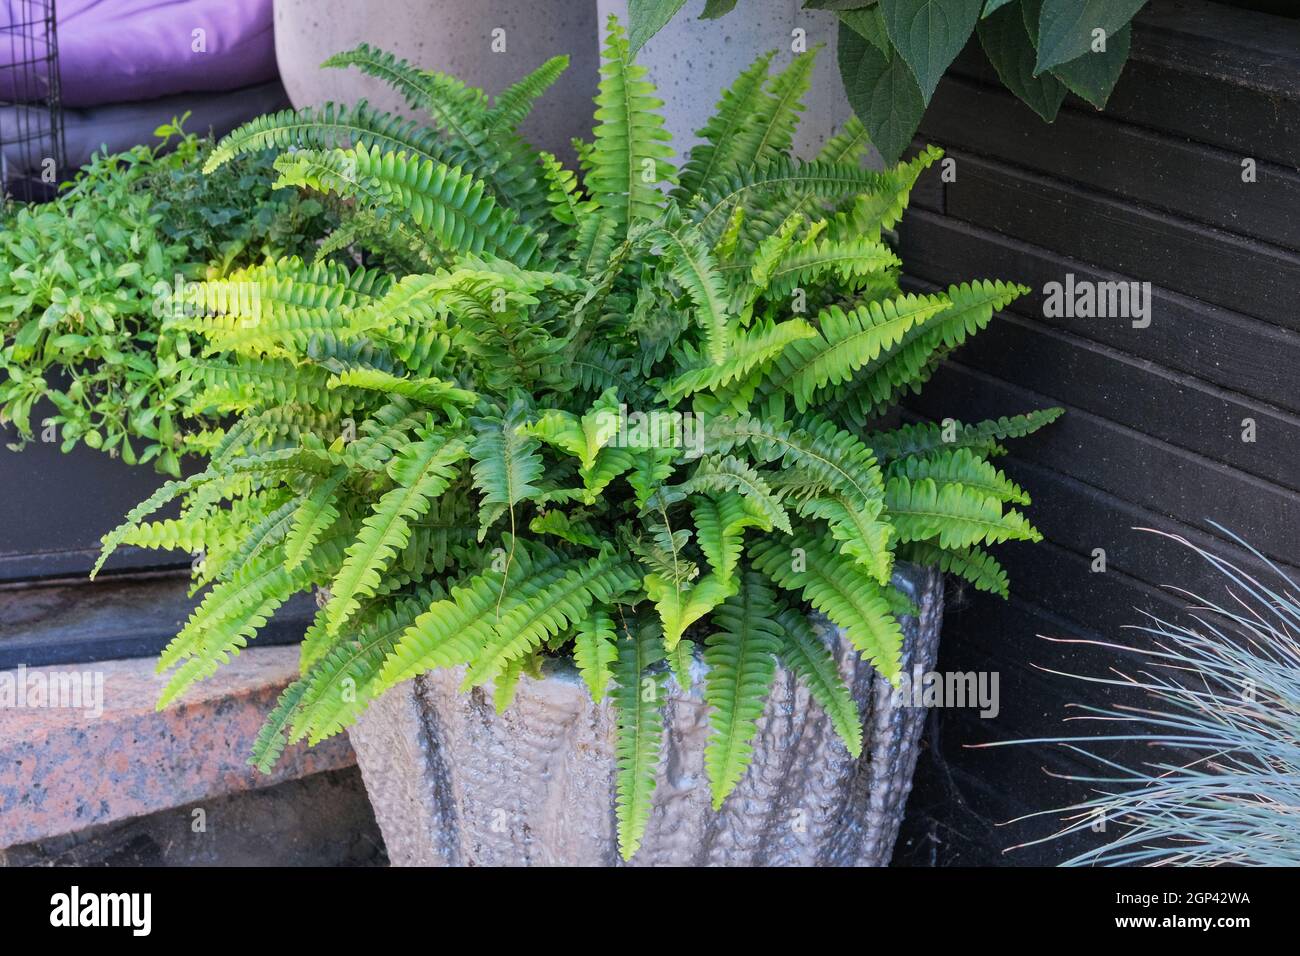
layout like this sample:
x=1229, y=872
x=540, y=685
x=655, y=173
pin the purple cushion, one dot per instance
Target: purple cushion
x=113, y=51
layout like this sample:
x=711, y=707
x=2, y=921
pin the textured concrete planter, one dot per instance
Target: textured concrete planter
x=452, y=783
x=455, y=37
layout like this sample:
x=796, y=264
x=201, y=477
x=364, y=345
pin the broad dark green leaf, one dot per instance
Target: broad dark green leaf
x=648, y=17
x=882, y=91
x=717, y=8
x=870, y=24
x=1066, y=27
x=929, y=34
x=1007, y=44
x=1092, y=76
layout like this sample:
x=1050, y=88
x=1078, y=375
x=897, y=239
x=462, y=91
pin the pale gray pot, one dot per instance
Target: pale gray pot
x=453, y=37
x=455, y=784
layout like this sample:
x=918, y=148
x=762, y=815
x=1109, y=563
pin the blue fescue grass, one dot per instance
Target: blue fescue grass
x=1221, y=709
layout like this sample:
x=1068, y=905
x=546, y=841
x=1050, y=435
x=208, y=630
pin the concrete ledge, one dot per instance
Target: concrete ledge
x=63, y=768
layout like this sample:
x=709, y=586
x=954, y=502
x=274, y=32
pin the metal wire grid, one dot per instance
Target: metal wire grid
x=31, y=114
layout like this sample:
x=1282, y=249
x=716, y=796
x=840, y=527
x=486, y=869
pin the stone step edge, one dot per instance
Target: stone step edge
x=82, y=744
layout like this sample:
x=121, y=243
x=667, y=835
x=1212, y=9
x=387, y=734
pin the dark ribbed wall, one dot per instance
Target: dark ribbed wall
x=1149, y=190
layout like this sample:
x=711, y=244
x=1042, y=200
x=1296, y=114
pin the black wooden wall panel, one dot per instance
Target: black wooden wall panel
x=1149, y=191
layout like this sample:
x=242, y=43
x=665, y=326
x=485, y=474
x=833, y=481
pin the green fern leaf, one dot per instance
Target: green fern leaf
x=719, y=530
x=637, y=698
x=956, y=516
x=422, y=472
x=720, y=148
x=455, y=629
x=960, y=467
x=842, y=590
x=564, y=601
x=717, y=473
x=680, y=605
x=326, y=127
x=514, y=103
x=742, y=664
x=805, y=653
x=595, y=650
x=923, y=438
x=629, y=157
x=273, y=737
x=974, y=564
x=848, y=341
x=311, y=519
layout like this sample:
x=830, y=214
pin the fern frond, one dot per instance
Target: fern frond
x=421, y=89
x=422, y=472
x=341, y=684
x=741, y=656
x=516, y=101
x=692, y=265
x=720, y=523
x=974, y=564
x=545, y=609
x=847, y=260
x=834, y=456
x=808, y=656
x=629, y=157
x=452, y=630
x=960, y=466
x=721, y=149
x=639, y=728
x=452, y=206
x=326, y=127
x=818, y=182
x=506, y=464
x=747, y=350
x=864, y=532
x=681, y=605
x=768, y=133
x=880, y=208
x=718, y=473
x=926, y=437
x=232, y=613
x=434, y=392
x=313, y=516
x=595, y=650
x=273, y=736
x=841, y=589
x=568, y=207
x=954, y=515
x=848, y=341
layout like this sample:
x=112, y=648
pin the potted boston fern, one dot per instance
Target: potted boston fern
x=606, y=425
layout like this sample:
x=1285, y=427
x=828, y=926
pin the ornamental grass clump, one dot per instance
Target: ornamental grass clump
x=611, y=414
x=1215, y=700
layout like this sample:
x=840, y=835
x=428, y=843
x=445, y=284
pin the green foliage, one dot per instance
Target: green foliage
x=620, y=438
x=893, y=53
x=84, y=282
x=742, y=664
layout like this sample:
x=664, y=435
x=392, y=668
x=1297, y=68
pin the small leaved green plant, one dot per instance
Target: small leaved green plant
x=84, y=280
x=611, y=414
x=892, y=53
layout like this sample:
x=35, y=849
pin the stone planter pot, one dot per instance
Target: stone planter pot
x=454, y=37
x=455, y=784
